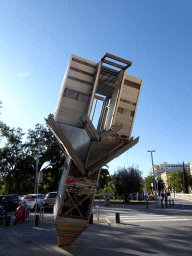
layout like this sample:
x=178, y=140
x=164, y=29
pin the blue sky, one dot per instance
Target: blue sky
x=38, y=37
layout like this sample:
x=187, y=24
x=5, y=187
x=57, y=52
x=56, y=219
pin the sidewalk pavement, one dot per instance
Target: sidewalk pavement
x=98, y=239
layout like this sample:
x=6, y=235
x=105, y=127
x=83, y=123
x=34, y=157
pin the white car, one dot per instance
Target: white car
x=30, y=200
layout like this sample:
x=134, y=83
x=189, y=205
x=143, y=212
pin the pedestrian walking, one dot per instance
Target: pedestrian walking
x=162, y=195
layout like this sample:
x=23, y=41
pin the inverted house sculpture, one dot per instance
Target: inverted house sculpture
x=90, y=144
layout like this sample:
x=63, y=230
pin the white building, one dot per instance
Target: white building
x=169, y=168
x=164, y=169
x=190, y=163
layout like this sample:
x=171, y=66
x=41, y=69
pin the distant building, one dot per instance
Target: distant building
x=164, y=177
x=190, y=163
x=164, y=169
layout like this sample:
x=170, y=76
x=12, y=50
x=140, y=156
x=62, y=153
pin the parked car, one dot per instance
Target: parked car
x=10, y=202
x=49, y=200
x=30, y=200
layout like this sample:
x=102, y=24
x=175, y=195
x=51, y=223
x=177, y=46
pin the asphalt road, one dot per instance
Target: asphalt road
x=152, y=231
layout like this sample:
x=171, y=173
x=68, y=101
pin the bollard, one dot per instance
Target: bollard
x=173, y=202
x=97, y=213
x=146, y=204
x=161, y=203
x=25, y=213
x=36, y=220
x=41, y=214
x=91, y=219
x=117, y=217
x=170, y=202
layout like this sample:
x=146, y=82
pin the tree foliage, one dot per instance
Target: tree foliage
x=161, y=185
x=17, y=158
x=43, y=143
x=103, y=178
x=149, y=180
x=109, y=188
x=147, y=183
x=175, y=180
x=185, y=181
x=127, y=181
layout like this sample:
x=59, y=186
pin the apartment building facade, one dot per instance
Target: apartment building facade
x=164, y=170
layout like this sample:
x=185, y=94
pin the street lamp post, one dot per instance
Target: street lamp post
x=46, y=165
x=151, y=151
x=36, y=177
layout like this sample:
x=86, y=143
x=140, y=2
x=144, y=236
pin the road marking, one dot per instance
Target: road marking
x=154, y=220
x=161, y=218
x=108, y=221
x=115, y=210
x=140, y=216
x=144, y=215
x=187, y=218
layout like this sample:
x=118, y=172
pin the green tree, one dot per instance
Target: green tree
x=18, y=165
x=127, y=181
x=109, y=188
x=185, y=180
x=2, y=187
x=161, y=185
x=147, y=183
x=149, y=180
x=43, y=143
x=103, y=178
x=176, y=181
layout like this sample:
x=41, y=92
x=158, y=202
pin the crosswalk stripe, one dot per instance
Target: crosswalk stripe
x=137, y=216
x=125, y=218
x=155, y=220
x=146, y=215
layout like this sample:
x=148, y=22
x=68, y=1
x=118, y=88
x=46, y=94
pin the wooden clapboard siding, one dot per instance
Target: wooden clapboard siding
x=70, y=120
x=67, y=112
x=82, y=67
x=127, y=124
x=72, y=104
x=80, y=76
x=84, y=60
x=120, y=118
x=70, y=111
x=132, y=92
x=79, y=87
x=126, y=131
x=61, y=93
x=126, y=105
x=133, y=79
x=128, y=96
